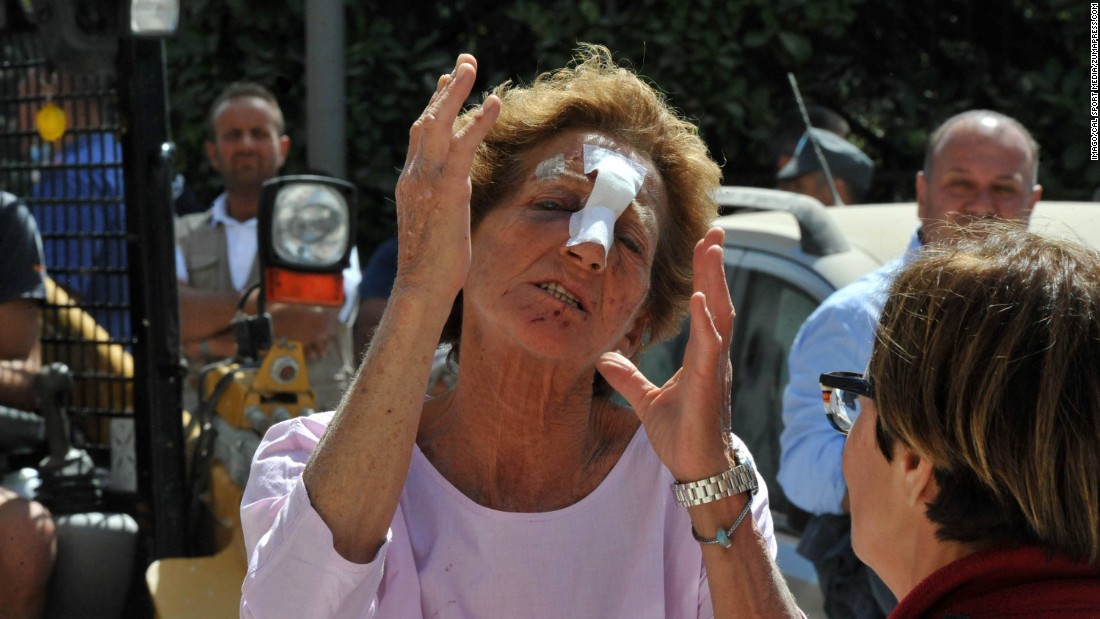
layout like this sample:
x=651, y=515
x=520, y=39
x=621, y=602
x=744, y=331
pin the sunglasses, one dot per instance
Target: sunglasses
x=840, y=392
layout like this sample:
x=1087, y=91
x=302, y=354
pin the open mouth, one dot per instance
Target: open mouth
x=561, y=294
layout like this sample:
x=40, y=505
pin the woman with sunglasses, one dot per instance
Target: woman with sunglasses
x=973, y=450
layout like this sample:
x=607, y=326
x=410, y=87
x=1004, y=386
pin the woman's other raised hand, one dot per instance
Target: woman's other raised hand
x=688, y=418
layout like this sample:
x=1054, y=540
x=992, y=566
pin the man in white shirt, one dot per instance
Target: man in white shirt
x=216, y=250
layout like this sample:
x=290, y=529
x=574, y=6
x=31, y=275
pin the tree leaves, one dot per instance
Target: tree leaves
x=892, y=69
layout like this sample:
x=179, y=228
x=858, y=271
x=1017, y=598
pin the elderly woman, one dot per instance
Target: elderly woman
x=973, y=467
x=566, y=214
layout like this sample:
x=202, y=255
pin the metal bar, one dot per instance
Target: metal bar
x=155, y=306
x=326, y=141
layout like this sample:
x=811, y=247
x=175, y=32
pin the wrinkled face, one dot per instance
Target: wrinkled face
x=248, y=147
x=526, y=287
x=981, y=169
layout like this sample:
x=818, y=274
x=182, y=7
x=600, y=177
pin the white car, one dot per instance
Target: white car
x=784, y=254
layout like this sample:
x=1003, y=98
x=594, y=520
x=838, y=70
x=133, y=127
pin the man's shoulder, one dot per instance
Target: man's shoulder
x=20, y=252
x=870, y=288
x=187, y=224
x=857, y=304
x=16, y=216
x=854, y=297
x=9, y=202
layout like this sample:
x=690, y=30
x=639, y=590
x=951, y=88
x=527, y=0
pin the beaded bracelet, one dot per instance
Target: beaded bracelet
x=722, y=536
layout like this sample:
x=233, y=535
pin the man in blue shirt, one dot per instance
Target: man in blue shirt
x=79, y=204
x=978, y=164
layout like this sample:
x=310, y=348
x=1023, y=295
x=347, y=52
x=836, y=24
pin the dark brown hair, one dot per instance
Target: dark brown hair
x=987, y=362
x=237, y=90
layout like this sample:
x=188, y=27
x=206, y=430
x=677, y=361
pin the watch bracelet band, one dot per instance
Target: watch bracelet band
x=739, y=479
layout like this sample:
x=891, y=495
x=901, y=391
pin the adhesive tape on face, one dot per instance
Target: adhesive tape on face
x=618, y=181
x=551, y=168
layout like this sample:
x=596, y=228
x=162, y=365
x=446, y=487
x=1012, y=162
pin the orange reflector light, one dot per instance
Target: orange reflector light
x=284, y=286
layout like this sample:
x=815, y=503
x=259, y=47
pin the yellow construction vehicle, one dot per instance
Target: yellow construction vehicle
x=305, y=225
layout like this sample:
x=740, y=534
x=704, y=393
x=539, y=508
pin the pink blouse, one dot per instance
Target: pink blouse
x=625, y=550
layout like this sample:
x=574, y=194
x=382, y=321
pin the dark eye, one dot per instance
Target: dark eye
x=629, y=243
x=554, y=205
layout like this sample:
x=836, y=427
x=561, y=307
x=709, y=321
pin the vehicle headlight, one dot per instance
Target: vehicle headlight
x=310, y=225
x=154, y=17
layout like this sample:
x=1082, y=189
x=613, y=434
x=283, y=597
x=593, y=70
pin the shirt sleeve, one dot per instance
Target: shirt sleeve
x=293, y=569
x=380, y=272
x=761, y=504
x=837, y=336
x=181, y=266
x=352, y=277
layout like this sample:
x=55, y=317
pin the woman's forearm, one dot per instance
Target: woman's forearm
x=356, y=474
x=744, y=580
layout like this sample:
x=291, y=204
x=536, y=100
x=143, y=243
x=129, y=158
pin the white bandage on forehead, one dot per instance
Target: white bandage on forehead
x=618, y=181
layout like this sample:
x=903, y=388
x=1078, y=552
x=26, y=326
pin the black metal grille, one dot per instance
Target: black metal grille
x=74, y=188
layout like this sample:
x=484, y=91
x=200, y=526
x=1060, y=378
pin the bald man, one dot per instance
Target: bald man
x=978, y=164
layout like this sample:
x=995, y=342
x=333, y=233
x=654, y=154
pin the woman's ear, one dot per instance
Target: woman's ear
x=917, y=475
x=636, y=337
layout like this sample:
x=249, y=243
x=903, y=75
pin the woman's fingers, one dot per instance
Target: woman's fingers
x=469, y=137
x=704, y=341
x=429, y=136
x=433, y=145
x=710, y=279
x=687, y=419
x=416, y=129
x=625, y=378
x=437, y=121
x=712, y=315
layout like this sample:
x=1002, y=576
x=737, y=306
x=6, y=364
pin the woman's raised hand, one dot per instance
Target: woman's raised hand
x=433, y=192
x=688, y=419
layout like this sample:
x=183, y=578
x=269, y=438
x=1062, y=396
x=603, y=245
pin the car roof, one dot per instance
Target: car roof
x=1079, y=221
x=862, y=237
x=881, y=231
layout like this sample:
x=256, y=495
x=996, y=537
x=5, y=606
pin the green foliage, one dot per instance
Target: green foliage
x=220, y=42
x=892, y=69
